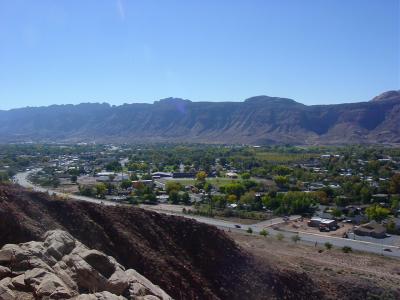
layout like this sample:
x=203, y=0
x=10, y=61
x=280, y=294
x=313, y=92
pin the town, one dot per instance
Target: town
x=349, y=192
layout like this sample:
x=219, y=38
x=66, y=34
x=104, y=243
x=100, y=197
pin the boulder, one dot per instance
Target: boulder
x=6, y=293
x=118, y=282
x=60, y=267
x=100, y=262
x=100, y=296
x=19, y=282
x=85, y=276
x=137, y=289
x=8, y=252
x=152, y=289
x=4, y=272
x=58, y=243
x=46, y=284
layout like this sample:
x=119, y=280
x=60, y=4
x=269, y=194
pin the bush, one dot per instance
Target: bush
x=279, y=236
x=264, y=232
x=249, y=230
x=295, y=238
x=328, y=245
x=347, y=249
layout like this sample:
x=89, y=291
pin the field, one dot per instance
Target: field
x=213, y=181
x=347, y=270
x=276, y=157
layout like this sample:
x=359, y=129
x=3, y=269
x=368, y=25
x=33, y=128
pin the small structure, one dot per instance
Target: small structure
x=232, y=175
x=183, y=175
x=161, y=175
x=162, y=198
x=372, y=229
x=326, y=224
x=104, y=173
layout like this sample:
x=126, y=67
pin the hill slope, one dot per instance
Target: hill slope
x=258, y=120
x=188, y=260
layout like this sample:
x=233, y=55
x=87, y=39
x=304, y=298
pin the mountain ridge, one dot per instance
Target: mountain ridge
x=257, y=120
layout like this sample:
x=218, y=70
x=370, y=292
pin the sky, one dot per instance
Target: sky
x=120, y=51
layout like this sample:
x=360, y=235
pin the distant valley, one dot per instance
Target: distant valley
x=258, y=120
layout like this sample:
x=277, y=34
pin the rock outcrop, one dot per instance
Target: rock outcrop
x=61, y=267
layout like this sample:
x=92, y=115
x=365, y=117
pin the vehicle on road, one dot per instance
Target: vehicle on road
x=238, y=226
x=387, y=250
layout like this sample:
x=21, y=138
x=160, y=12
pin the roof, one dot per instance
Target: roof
x=372, y=227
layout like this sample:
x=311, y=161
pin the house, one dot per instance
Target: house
x=116, y=198
x=320, y=222
x=161, y=174
x=183, y=175
x=232, y=175
x=162, y=198
x=103, y=174
x=372, y=229
x=380, y=197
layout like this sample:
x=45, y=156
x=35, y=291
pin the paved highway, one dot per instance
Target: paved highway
x=319, y=239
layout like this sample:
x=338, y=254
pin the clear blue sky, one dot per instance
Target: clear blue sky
x=120, y=51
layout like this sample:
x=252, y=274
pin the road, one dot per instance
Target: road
x=22, y=179
x=311, y=238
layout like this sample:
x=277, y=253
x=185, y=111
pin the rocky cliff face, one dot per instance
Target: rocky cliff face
x=60, y=267
x=258, y=120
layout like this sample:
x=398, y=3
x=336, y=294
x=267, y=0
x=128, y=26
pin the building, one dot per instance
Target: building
x=372, y=229
x=232, y=175
x=183, y=175
x=322, y=223
x=161, y=174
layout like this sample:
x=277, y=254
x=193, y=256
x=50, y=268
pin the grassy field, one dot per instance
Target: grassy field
x=214, y=181
x=283, y=157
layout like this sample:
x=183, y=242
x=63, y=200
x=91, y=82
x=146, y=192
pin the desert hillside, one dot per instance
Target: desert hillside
x=186, y=259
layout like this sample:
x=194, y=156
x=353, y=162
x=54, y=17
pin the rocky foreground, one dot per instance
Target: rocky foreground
x=60, y=267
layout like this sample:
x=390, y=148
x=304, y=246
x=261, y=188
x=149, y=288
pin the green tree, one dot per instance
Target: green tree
x=264, y=233
x=234, y=188
x=173, y=186
x=377, y=213
x=394, y=185
x=395, y=202
x=173, y=197
x=249, y=230
x=185, y=198
x=201, y=176
x=126, y=183
x=74, y=178
x=231, y=198
x=101, y=190
x=246, y=176
x=86, y=191
x=114, y=166
x=336, y=212
x=365, y=194
x=281, y=181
